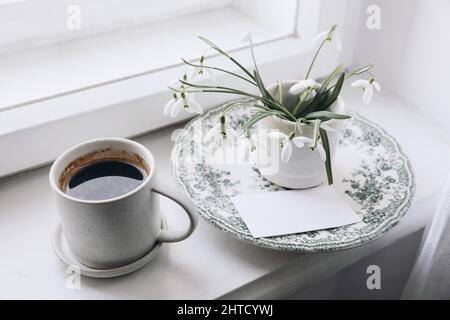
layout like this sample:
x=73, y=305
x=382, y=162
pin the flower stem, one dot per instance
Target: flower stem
x=220, y=89
x=313, y=143
x=212, y=45
x=280, y=92
x=315, y=57
x=301, y=100
x=218, y=69
x=353, y=73
x=289, y=115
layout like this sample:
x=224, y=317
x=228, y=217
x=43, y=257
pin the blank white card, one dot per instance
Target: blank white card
x=286, y=212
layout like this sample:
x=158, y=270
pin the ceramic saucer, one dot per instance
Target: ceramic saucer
x=63, y=252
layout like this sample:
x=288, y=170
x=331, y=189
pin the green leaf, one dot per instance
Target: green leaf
x=322, y=94
x=212, y=45
x=332, y=98
x=273, y=103
x=215, y=47
x=360, y=70
x=304, y=107
x=266, y=94
x=313, y=105
x=258, y=117
x=326, y=114
x=260, y=85
x=280, y=92
x=328, y=79
x=326, y=146
x=218, y=69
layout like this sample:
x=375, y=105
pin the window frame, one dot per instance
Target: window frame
x=47, y=130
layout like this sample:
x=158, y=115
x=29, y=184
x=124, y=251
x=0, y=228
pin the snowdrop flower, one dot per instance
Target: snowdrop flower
x=286, y=143
x=367, y=86
x=177, y=84
x=303, y=85
x=182, y=101
x=299, y=142
x=200, y=70
x=319, y=148
x=247, y=147
x=223, y=129
x=329, y=35
x=169, y=105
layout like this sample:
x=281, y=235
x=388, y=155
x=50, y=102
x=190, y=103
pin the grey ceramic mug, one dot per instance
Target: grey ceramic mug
x=114, y=232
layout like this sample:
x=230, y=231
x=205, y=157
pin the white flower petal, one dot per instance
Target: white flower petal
x=297, y=88
x=286, y=152
x=337, y=42
x=312, y=94
x=168, y=106
x=301, y=85
x=213, y=132
x=326, y=127
x=230, y=132
x=192, y=73
x=194, y=106
x=312, y=83
x=277, y=135
x=367, y=95
x=359, y=83
x=301, y=141
x=176, y=108
x=322, y=153
x=376, y=85
x=321, y=36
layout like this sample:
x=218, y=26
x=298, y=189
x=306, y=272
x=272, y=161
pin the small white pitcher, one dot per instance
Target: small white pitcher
x=305, y=168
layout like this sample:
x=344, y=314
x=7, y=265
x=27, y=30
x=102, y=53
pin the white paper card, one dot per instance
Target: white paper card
x=285, y=212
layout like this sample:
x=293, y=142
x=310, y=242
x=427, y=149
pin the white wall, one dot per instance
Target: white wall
x=278, y=15
x=411, y=52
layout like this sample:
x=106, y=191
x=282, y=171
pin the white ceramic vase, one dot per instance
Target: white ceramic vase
x=305, y=168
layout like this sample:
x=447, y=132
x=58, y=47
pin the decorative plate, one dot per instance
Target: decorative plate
x=370, y=171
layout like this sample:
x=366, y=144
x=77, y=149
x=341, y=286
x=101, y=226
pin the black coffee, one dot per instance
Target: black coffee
x=104, y=180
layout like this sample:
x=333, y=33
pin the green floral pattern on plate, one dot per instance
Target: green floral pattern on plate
x=371, y=173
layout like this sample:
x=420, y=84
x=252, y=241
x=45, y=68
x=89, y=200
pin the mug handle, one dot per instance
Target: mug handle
x=188, y=206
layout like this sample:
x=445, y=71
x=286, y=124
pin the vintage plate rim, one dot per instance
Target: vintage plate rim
x=271, y=242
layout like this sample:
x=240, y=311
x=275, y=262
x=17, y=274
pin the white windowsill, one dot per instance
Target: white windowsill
x=210, y=263
x=50, y=104
x=47, y=71
x=125, y=109
x=115, y=84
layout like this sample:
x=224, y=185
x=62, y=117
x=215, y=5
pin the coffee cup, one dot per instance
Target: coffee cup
x=113, y=232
